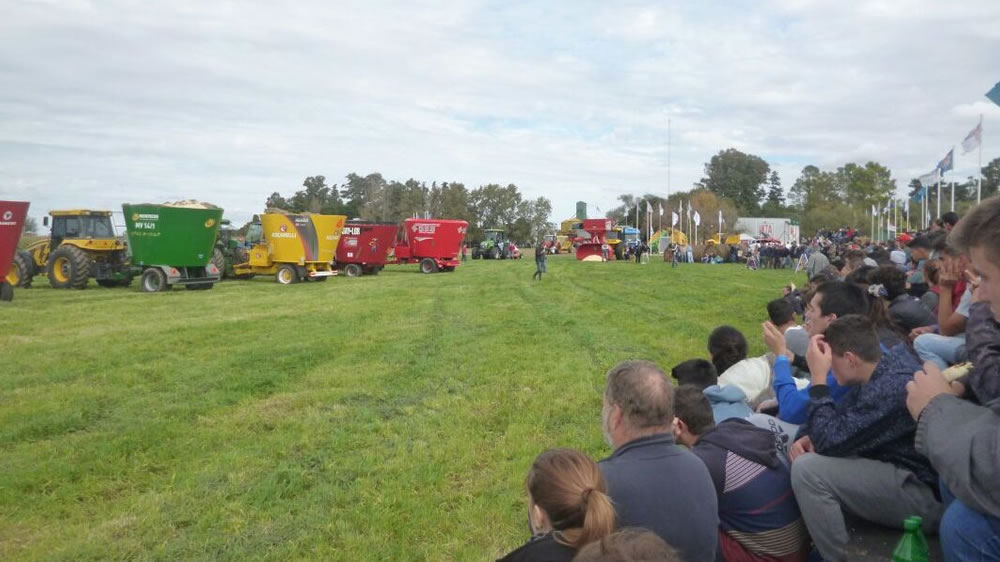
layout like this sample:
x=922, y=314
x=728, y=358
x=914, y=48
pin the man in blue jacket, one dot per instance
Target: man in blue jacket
x=654, y=483
x=857, y=455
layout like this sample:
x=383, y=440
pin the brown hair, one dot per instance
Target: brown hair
x=628, y=545
x=979, y=229
x=569, y=487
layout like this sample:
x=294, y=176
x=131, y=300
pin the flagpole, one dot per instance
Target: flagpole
x=953, y=197
x=979, y=170
x=939, y=194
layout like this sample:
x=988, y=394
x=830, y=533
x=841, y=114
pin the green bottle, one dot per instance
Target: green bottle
x=913, y=546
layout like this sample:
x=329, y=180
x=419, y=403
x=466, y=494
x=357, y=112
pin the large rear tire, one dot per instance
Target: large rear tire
x=6, y=291
x=353, y=270
x=219, y=260
x=286, y=274
x=153, y=280
x=69, y=268
x=428, y=265
x=22, y=270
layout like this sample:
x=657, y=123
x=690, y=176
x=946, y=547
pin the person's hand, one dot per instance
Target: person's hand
x=925, y=385
x=948, y=274
x=819, y=356
x=774, y=339
x=978, y=293
x=920, y=331
x=958, y=389
x=799, y=448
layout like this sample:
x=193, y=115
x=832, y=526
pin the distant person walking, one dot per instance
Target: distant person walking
x=465, y=250
x=604, y=252
x=540, y=259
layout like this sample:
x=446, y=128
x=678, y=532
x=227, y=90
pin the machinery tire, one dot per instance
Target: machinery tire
x=240, y=255
x=495, y=253
x=22, y=270
x=428, y=265
x=353, y=270
x=69, y=268
x=153, y=280
x=219, y=260
x=286, y=274
x=199, y=286
x=6, y=291
x=475, y=254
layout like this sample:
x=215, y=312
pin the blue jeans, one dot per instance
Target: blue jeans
x=943, y=350
x=967, y=535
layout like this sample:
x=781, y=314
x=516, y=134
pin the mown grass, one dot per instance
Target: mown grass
x=383, y=418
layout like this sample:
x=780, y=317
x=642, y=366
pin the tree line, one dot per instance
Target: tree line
x=744, y=185
x=375, y=198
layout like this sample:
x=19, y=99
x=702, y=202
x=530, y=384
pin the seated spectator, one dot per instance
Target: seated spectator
x=920, y=251
x=727, y=401
x=860, y=276
x=652, y=482
x=930, y=298
x=898, y=258
x=857, y=455
x=947, y=346
x=628, y=545
x=831, y=300
x=853, y=260
x=728, y=349
x=568, y=507
x=759, y=519
x=949, y=220
x=781, y=314
x=960, y=438
x=905, y=310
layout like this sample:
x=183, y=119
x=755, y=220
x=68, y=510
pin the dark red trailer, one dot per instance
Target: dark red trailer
x=433, y=243
x=12, y=214
x=364, y=247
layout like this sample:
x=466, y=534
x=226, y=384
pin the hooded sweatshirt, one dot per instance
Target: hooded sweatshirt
x=727, y=402
x=758, y=516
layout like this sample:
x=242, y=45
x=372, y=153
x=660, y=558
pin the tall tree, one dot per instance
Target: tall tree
x=775, y=202
x=737, y=176
x=991, y=178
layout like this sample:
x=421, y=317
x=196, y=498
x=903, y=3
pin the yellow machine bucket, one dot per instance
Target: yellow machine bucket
x=301, y=239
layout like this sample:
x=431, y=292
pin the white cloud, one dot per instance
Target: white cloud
x=227, y=102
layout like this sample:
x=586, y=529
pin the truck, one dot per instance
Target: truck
x=292, y=247
x=433, y=243
x=172, y=245
x=12, y=215
x=593, y=238
x=364, y=247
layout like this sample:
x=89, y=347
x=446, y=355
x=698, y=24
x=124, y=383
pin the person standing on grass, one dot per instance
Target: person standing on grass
x=568, y=507
x=465, y=249
x=654, y=483
x=604, y=251
x=540, y=258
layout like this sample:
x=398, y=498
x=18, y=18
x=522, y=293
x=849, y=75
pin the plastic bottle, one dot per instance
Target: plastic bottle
x=913, y=546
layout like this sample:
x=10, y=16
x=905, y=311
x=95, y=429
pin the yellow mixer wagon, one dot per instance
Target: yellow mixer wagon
x=292, y=247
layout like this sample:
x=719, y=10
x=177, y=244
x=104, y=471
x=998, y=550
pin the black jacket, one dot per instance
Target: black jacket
x=541, y=548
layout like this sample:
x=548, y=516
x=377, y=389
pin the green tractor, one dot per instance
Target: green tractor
x=495, y=246
x=229, y=251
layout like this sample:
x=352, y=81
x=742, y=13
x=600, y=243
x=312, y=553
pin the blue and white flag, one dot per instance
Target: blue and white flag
x=947, y=163
x=973, y=139
x=994, y=94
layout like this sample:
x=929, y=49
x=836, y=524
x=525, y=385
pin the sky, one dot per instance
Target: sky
x=116, y=101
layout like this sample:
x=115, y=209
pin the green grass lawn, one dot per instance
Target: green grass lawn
x=382, y=418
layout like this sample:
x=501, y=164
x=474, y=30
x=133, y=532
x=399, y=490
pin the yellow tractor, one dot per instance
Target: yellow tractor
x=82, y=244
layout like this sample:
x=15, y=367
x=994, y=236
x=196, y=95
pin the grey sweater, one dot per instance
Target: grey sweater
x=962, y=441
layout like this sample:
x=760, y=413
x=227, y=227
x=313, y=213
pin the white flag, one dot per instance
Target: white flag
x=973, y=139
x=649, y=208
x=697, y=219
x=874, y=211
x=689, y=208
x=661, y=209
x=675, y=218
x=720, y=219
x=930, y=179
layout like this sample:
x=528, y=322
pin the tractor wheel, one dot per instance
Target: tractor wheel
x=219, y=260
x=495, y=253
x=22, y=270
x=199, y=286
x=69, y=268
x=240, y=255
x=428, y=265
x=475, y=254
x=353, y=270
x=6, y=291
x=286, y=275
x=153, y=280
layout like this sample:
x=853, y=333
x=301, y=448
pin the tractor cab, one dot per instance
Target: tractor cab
x=92, y=225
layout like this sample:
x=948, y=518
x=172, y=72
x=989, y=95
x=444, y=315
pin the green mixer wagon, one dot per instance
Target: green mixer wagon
x=172, y=245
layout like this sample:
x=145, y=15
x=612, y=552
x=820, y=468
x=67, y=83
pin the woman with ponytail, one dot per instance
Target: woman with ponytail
x=568, y=507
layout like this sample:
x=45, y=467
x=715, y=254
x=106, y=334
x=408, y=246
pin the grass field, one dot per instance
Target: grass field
x=383, y=418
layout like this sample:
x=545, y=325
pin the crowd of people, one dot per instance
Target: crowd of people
x=882, y=405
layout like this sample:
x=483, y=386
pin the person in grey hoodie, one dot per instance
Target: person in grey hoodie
x=961, y=439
